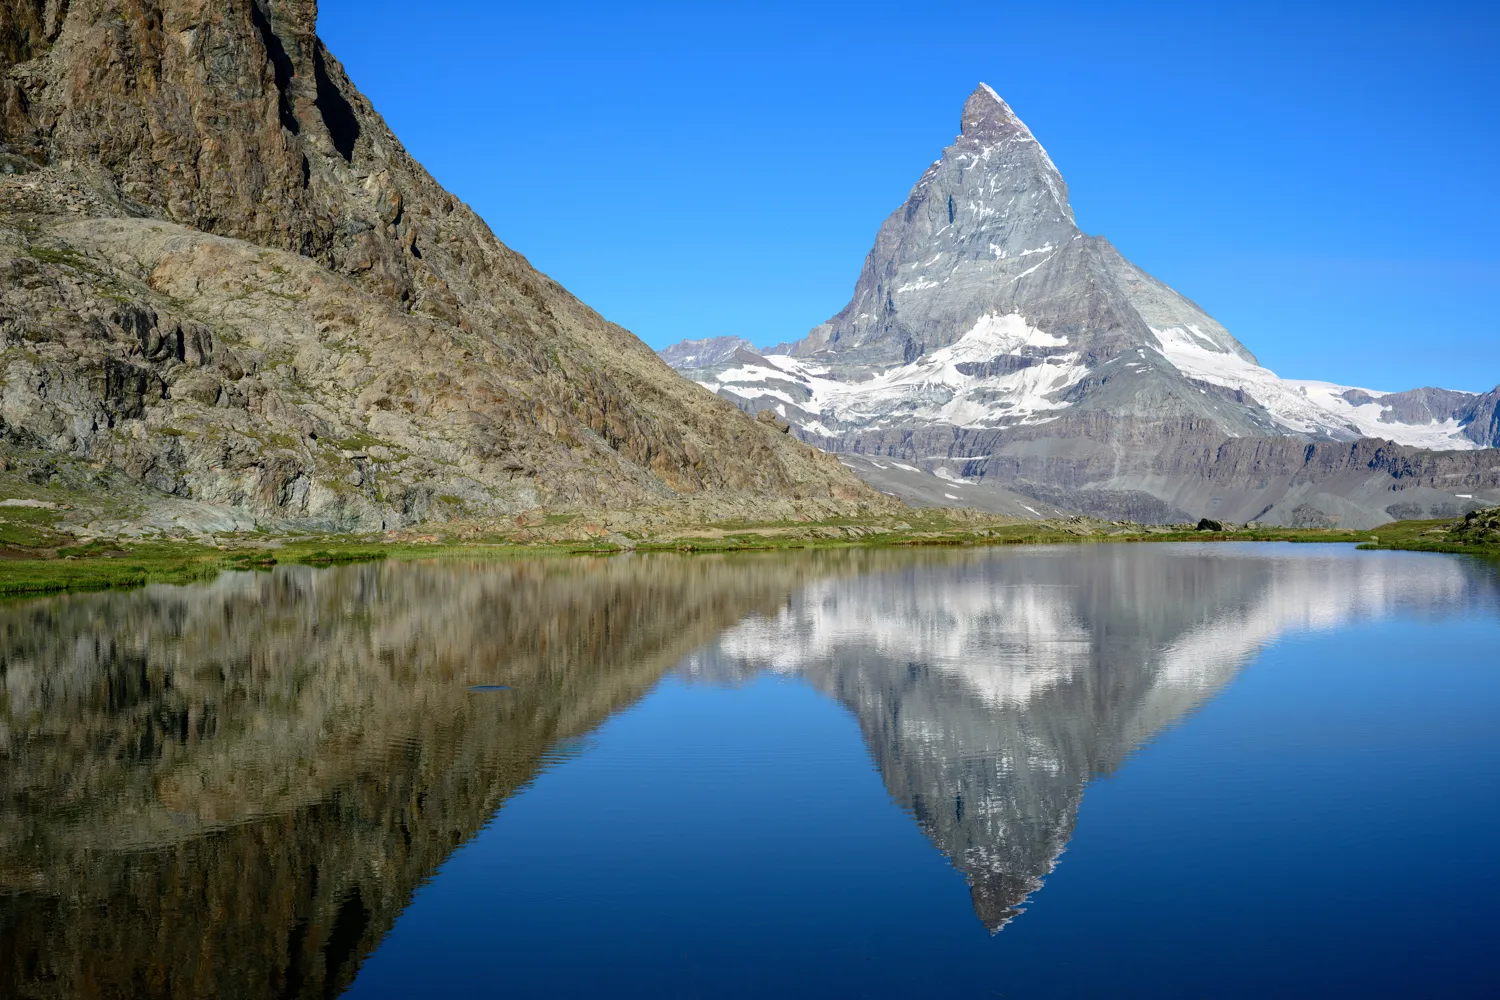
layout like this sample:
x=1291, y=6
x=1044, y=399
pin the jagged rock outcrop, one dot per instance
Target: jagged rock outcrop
x=222, y=274
x=988, y=332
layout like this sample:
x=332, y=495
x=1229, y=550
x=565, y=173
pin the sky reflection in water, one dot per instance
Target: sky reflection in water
x=1127, y=770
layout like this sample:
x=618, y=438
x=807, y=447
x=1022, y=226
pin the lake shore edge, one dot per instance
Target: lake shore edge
x=63, y=565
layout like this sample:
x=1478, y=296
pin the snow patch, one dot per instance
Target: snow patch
x=1300, y=406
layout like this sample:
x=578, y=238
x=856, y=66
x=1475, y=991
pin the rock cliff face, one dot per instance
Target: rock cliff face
x=222, y=274
x=988, y=335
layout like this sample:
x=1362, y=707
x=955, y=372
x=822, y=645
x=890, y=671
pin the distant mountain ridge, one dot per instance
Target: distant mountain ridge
x=702, y=353
x=989, y=336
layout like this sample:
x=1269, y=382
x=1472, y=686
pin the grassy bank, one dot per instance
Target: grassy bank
x=102, y=565
x=49, y=567
x=1475, y=535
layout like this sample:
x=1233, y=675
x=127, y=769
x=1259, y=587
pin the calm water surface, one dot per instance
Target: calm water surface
x=1165, y=770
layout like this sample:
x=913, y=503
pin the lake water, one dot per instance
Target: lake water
x=1114, y=770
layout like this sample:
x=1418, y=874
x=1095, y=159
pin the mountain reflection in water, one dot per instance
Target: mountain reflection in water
x=990, y=690
x=234, y=789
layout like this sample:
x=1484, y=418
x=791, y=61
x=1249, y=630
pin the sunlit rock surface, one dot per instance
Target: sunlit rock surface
x=996, y=346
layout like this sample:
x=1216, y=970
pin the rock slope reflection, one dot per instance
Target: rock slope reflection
x=232, y=790
x=992, y=688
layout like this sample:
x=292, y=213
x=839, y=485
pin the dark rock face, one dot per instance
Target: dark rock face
x=1479, y=527
x=1481, y=419
x=214, y=233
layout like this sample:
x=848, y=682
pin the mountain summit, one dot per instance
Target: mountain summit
x=991, y=341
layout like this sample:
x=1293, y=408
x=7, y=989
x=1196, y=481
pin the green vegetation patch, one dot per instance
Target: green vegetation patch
x=339, y=555
x=104, y=566
x=1477, y=534
x=53, y=565
x=30, y=528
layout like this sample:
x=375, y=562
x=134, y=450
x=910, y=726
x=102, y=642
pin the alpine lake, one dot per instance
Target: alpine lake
x=1184, y=769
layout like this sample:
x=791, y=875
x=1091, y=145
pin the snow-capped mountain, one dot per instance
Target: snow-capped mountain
x=984, y=317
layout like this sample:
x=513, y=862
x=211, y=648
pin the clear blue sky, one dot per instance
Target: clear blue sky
x=1322, y=178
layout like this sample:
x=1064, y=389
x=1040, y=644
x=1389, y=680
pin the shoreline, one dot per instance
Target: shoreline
x=98, y=564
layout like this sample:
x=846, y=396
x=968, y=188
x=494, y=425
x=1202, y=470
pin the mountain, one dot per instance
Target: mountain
x=702, y=353
x=990, y=337
x=225, y=279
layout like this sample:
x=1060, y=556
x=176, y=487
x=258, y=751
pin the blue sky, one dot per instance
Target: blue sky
x=1322, y=178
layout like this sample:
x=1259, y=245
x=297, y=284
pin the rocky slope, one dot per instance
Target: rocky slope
x=990, y=340
x=222, y=276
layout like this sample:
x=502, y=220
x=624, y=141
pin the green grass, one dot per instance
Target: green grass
x=104, y=566
x=1427, y=536
x=115, y=564
x=66, y=256
x=29, y=528
x=107, y=565
x=359, y=442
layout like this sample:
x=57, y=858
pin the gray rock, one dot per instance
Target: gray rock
x=301, y=326
x=703, y=353
x=990, y=336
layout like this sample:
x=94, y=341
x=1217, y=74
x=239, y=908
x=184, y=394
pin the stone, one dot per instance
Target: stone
x=1478, y=527
x=306, y=329
x=990, y=339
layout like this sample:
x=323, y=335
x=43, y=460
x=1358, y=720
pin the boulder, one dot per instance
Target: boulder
x=1478, y=527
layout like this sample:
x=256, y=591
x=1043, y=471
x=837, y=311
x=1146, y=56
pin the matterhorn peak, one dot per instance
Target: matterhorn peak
x=987, y=116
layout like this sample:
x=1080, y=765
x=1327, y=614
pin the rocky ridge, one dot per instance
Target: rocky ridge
x=706, y=352
x=223, y=277
x=992, y=344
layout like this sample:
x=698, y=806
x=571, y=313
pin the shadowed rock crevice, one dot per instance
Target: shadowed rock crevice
x=338, y=113
x=281, y=65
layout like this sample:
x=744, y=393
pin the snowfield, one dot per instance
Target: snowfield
x=935, y=389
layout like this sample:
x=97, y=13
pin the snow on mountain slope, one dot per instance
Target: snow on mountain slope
x=983, y=306
x=1304, y=407
x=950, y=385
x=1004, y=372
